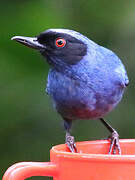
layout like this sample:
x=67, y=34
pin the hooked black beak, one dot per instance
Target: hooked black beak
x=31, y=42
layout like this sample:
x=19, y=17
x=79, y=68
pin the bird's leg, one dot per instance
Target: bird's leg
x=69, y=140
x=114, y=138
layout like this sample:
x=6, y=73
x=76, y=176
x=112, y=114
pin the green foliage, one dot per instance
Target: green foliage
x=29, y=124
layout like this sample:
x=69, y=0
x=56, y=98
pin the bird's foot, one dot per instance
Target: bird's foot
x=70, y=141
x=115, y=145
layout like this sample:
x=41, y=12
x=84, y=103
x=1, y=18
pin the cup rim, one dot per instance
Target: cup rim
x=57, y=150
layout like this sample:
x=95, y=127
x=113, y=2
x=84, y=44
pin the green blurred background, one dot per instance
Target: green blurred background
x=29, y=126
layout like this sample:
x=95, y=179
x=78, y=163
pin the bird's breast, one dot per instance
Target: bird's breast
x=76, y=99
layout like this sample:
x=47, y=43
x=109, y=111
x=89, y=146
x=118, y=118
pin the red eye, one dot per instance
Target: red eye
x=60, y=42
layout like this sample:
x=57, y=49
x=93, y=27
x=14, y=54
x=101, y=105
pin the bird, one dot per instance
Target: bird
x=85, y=80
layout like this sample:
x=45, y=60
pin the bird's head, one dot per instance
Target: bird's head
x=58, y=45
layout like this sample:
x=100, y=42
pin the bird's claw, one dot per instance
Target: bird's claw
x=70, y=141
x=115, y=146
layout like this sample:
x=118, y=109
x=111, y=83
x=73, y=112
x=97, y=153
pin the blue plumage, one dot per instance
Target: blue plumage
x=92, y=87
x=85, y=81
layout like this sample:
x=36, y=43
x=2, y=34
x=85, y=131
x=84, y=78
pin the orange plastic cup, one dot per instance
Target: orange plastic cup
x=91, y=163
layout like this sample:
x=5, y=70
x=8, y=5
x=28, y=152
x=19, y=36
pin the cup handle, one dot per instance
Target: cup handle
x=23, y=170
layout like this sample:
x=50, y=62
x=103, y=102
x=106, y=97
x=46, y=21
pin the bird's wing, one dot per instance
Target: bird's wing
x=114, y=62
x=126, y=82
x=122, y=74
